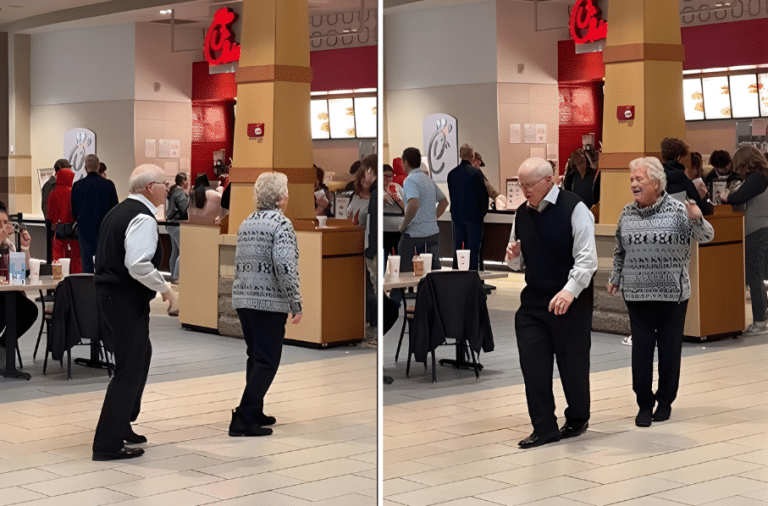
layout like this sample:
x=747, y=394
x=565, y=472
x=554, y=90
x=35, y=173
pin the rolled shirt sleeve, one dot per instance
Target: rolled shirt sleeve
x=141, y=240
x=584, y=250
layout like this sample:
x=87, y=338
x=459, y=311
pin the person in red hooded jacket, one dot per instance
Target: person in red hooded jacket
x=60, y=211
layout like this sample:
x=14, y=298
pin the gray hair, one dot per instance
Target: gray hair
x=143, y=175
x=269, y=189
x=91, y=163
x=653, y=169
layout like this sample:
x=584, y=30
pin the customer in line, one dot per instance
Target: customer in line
x=678, y=185
x=424, y=204
x=393, y=202
x=265, y=290
x=26, y=310
x=364, y=178
x=650, y=267
x=469, y=205
x=751, y=164
x=92, y=198
x=205, y=202
x=722, y=168
x=478, y=162
x=60, y=211
x=582, y=178
x=553, y=235
x=322, y=194
x=126, y=280
x=61, y=163
x=175, y=212
x=103, y=170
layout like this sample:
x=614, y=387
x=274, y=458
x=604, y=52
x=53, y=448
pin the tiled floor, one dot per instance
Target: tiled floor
x=454, y=443
x=323, y=451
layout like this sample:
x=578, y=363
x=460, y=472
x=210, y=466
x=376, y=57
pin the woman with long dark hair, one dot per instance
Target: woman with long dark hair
x=176, y=211
x=205, y=203
x=582, y=178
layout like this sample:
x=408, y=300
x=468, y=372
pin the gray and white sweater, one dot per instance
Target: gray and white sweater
x=653, y=254
x=267, y=264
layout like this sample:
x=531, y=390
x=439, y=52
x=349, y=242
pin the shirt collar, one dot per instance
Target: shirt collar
x=550, y=198
x=144, y=200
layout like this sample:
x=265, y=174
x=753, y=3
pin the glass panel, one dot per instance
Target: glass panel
x=365, y=116
x=717, y=102
x=342, y=113
x=744, y=96
x=693, y=101
x=319, y=119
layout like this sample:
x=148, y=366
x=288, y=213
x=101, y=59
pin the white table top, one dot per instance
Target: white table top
x=45, y=283
x=408, y=280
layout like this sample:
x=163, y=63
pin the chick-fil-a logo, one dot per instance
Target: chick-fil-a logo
x=586, y=24
x=220, y=46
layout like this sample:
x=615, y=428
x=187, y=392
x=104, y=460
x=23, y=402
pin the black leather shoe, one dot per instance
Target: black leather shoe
x=643, y=418
x=535, y=440
x=133, y=438
x=122, y=453
x=265, y=420
x=240, y=428
x=573, y=429
x=662, y=413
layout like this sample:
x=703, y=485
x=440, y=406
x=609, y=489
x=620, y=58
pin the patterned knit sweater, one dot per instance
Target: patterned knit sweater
x=267, y=264
x=653, y=253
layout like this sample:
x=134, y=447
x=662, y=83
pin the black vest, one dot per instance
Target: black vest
x=110, y=254
x=546, y=240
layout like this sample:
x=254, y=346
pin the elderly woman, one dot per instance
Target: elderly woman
x=650, y=267
x=265, y=290
x=751, y=164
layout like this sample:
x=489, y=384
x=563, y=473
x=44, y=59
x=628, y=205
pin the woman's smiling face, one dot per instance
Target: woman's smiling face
x=644, y=189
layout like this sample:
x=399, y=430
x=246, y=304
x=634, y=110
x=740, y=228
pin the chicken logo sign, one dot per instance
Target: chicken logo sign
x=587, y=24
x=220, y=46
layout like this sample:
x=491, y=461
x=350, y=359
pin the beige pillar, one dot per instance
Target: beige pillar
x=643, y=67
x=273, y=87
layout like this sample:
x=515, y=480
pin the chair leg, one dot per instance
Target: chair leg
x=402, y=330
x=106, y=359
x=474, y=362
x=69, y=364
x=45, y=362
x=434, y=368
x=42, y=324
x=18, y=354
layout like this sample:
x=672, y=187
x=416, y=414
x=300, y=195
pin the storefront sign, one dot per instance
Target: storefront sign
x=440, y=145
x=586, y=23
x=220, y=46
x=79, y=143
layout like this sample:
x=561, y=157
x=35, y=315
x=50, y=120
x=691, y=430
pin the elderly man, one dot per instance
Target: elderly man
x=127, y=279
x=554, y=236
x=469, y=205
x=92, y=198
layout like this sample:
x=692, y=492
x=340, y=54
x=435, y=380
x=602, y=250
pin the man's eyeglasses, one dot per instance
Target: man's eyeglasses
x=524, y=186
x=164, y=183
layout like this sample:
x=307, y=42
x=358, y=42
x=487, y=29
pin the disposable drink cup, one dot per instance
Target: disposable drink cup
x=393, y=267
x=64, y=266
x=322, y=221
x=418, y=267
x=34, y=270
x=462, y=255
x=427, y=257
x=56, y=270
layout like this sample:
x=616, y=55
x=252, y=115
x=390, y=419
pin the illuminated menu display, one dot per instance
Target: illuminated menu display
x=343, y=117
x=365, y=116
x=726, y=97
x=320, y=121
x=717, y=97
x=693, y=100
x=342, y=113
x=744, y=100
x=762, y=88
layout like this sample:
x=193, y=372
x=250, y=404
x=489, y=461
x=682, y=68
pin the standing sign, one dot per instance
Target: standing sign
x=440, y=145
x=79, y=143
x=220, y=46
x=586, y=23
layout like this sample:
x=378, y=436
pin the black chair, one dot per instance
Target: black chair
x=407, y=316
x=75, y=320
x=46, y=301
x=450, y=304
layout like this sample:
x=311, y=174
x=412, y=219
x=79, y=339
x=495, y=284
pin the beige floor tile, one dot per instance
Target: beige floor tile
x=448, y=492
x=263, y=498
x=760, y=474
x=758, y=457
x=329, y=488
x=92, y=497
x=228, y=489
x=459, y=457
x=16, y=495
x=709, y=471
x=30, y=460
x=326, y=469
x=177, y=497
x=167, y=483
x=520, y=475
x=531, y=492
x=82, y=482
x=400, y=486
x=450, y=474
x=347, y=500
x=468, y=501
x=404, y=469
x=622, y=491
x=759, y=495
x=168, y=466
x=25, y=477
x=739, y=501
x=721, y=488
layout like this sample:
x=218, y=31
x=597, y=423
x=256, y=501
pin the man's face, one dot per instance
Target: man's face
x=158, y=190
x=534, y=187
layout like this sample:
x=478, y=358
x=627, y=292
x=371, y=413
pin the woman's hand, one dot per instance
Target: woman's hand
x=388, y=199
x=694, y=213
x=296, y=318
x=612, y=289
x=723, y=196
x=513, y=251
x=25, y=239
x=322, y=203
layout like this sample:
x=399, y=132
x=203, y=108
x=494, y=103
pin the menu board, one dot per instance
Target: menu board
x=717, y=104
x=744, y=99
x=342, y=113
x=320, y=121
x=365, y=116
x=762, y=88
x=693, y=100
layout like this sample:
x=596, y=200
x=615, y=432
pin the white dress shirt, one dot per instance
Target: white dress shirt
x=141, y=242
x=584, y=249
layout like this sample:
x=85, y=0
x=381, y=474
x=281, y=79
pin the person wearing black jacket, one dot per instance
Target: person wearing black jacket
x=672, y=151
x=92, y=198
x=469, y=205
x=722, y=168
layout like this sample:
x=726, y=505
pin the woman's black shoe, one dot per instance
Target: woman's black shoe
x=643, y=418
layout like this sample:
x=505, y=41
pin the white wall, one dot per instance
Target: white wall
x=162, y=75
x=76, y=66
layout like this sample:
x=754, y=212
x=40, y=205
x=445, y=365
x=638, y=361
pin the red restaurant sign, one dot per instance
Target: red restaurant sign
x=586, y=24
x=220, y=46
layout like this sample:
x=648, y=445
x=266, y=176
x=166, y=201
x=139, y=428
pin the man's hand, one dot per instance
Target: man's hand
x=388, y=198
x=694, y=213
x=296, y=318
x=513, y=251
x=172, y=297
x=25, y=239
x=561, y=302
x=612, y=289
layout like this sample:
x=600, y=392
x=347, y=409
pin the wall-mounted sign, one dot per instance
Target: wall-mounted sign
x=586, y=23
x=79, y=143
x=220, y=46
x=625, y=112
x=255, y=130
x=440, y=145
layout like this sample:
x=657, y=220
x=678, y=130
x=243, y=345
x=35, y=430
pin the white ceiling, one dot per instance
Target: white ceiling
x=36, y=16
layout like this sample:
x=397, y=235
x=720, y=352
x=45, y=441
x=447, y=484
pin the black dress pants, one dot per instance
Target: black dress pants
x=656, y=323
x=87, y=251
x=263, y=332
x=124, y=319
x=467, y=235
x=542, y=338
x=26, y=315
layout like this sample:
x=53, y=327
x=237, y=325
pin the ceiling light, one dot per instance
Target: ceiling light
x=168, y=11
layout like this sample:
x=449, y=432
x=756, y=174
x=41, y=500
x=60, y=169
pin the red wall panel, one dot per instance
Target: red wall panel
x=726, y=44
x=344, y=69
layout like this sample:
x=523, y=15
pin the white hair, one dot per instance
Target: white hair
x=269, y=189
x=653, y=169
x=143, y=175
